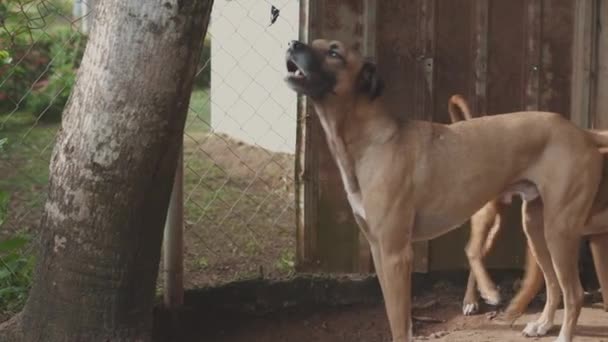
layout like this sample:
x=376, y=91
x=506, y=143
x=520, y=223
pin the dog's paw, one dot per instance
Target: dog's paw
x=562, y=339
x=492, y=298
x=470, y=308
x=537, y=329
x=507, y=317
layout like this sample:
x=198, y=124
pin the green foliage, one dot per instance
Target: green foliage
x=5, y=57
x=286, y=262
x=3, y=206
x=16, y=268
x=20, y=68
x=203, y=69
x=39, y=48
x=66, y=50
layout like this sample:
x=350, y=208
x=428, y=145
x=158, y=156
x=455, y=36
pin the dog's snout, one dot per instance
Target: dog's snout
x=295, y=45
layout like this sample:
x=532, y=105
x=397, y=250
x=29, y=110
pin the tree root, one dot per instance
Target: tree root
x=10, y=331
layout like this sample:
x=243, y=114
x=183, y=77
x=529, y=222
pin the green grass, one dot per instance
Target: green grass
x=24, y=163
x=16, y=263
x=199, y=115
x=16, y=267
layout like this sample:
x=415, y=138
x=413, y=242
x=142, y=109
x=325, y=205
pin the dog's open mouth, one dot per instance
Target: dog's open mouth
x=294, y=72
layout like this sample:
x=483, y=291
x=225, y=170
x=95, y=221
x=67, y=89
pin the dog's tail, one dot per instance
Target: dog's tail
x=458, y=109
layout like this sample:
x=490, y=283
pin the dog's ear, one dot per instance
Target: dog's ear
x=369, y=81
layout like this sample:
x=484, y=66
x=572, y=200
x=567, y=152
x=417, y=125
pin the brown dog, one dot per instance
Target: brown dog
x=485, y=225
x=393, y=173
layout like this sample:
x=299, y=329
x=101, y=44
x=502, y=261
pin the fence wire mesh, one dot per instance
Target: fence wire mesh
x=238, y=148
x=40, y=49
x=238, y=143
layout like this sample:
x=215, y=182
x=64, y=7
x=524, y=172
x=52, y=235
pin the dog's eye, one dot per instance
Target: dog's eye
x=333, y=53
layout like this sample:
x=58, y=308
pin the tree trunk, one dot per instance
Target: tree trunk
x=111, y=174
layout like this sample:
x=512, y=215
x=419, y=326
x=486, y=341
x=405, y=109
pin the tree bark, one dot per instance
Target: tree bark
x=111, y=174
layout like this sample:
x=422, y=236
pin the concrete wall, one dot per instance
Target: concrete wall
x=249, y=100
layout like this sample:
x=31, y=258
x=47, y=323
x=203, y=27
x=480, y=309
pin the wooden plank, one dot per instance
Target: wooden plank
x=398, y=45
x=396, y=37
x=556, y=58
x=506, y=54
x=453, y=53
x=461, y=50
x=305, y=159
x=424, y=88
x=505, y=84
x=583, y=62
x=600, y=103
x=364, y=260
x=328, y=235
x=532, y=62
x=480, y=57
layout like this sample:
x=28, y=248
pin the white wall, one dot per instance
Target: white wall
x=249, y=100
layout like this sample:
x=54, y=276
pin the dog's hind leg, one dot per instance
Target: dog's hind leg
x=532, y=215
x=485, y=224
x=564, y=245
x=470, y=303
x=599, y=249
x=531, y=285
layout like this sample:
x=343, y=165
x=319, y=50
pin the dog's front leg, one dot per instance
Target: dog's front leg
x=599, y=249
x=393, y=254
x=374, y=247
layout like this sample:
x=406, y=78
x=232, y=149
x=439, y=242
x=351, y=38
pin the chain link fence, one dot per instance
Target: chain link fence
x=40, y=50
x=238, y=148
x=238, y=143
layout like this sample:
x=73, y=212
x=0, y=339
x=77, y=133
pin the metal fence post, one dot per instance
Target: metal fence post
x=173, y=244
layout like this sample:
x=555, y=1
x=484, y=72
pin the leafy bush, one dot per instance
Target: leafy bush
x=31, y=43
x=22, y=66
x=66, y=51
x=16, y=268
x=203, y=78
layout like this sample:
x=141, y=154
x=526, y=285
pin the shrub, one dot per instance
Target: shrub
x=29, y=44
x=203, y=79
x=66, y=51
x=16, y=268
x=25, y=50
x=22, y=66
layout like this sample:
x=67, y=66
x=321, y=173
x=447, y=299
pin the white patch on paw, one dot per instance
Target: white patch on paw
x=469, y=309
x=493, y=299
x=537, y=329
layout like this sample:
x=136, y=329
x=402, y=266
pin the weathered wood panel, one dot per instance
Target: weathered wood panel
x=599, y=109
x=502, y=55
x=328, y=238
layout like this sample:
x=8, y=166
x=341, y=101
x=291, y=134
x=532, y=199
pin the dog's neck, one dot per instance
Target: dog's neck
x=350, y=128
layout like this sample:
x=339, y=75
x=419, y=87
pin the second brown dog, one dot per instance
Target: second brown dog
x=485, y=225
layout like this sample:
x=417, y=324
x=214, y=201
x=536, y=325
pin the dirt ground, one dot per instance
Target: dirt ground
x=367, y=323
x=239, y=211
